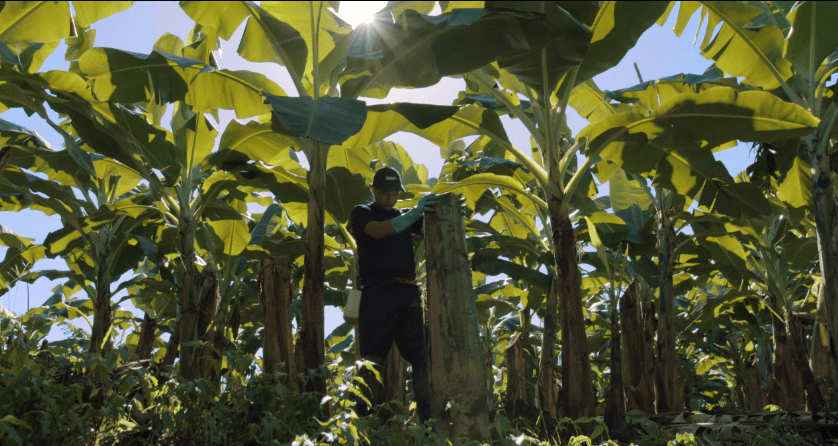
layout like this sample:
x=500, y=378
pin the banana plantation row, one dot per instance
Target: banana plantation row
x=722, y=284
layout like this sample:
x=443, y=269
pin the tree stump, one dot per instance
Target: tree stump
x=276, y=289
x=455, y=363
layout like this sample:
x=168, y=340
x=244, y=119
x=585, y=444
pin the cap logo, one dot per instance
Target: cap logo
x=392, y=178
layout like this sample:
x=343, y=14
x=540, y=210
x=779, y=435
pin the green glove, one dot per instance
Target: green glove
x=407, y=219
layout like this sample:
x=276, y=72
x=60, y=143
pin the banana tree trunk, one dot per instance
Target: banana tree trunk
x=100, y=341
x=146, y=342
x=667, y=392
x=638, y=352
x=790, y=386
x=826, y=222
x=197, y=314
x=615, y=412
x=797, y=338
x=755, y=398
x=548, y=395
x=455, y=364
x=275, y=295
x=516, y=375
x=578, y=397
x=312, y=334
x=819, y=356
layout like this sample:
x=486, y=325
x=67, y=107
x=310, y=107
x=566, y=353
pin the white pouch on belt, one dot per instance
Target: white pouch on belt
x=352, y=310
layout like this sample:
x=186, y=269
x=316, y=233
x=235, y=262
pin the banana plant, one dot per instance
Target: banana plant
x=789, y=50
x=92, y=240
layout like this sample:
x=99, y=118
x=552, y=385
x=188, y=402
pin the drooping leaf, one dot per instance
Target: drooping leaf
x=232, y=234
x=28, y=56
x=493, y=265
x=240, y=91
x=591, y=102
x=474, y=186
x=420, y=115
x=568, y=35
x=674, y=143
x=254, y=141
x=469, y=120
x=267, y=224
x=268, y=39
x=327, y=119
x=224, y=16
x=122, y=76
x=301, y=16
x=13, y=134
x=650, y=95
x=344, y=190
x=755, y=53
x=432, y=47
x=629, y=201
x=796, y=189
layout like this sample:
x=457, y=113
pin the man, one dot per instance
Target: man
x=391, y=307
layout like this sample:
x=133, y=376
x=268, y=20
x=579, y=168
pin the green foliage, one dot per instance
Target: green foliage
x=158, y=201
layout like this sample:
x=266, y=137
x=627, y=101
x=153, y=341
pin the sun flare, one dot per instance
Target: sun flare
x=356, y=13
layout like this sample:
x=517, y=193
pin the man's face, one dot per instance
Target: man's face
x=385, y=200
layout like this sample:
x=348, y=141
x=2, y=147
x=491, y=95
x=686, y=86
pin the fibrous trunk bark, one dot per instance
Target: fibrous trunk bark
x=826, y=222
x=455, y=362
x=146, y=342
x=755, y=398
x=790, y=387
x=276, y=290
x=814, y=398
x=667, y=391
x=100, y=341
x=548, y=395
x=615, y=412
x=819, y=357
x=578, y=396
x=516, y=372
x=638, y=352
x=312, y=330
x=198, y=310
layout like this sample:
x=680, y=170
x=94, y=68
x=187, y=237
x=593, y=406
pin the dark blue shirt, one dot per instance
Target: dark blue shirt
x=387, y=257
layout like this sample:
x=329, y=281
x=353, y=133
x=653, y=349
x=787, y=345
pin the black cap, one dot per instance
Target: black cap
x=387, y=180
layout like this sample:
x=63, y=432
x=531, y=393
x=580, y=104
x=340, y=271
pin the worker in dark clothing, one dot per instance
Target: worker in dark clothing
x=391, y=308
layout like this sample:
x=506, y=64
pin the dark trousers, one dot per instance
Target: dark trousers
x=392, y=312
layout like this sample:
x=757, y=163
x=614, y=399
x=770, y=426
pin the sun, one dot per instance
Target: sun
x=356, y=13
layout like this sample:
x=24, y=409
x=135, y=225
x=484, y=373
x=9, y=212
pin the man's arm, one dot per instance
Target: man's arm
x=379, y=229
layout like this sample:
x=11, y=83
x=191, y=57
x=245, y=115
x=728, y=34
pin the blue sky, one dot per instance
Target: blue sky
x=658, y=53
